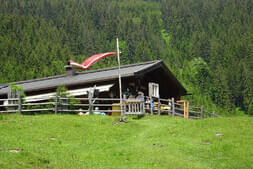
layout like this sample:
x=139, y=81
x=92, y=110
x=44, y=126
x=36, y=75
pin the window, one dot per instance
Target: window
x=153, y=90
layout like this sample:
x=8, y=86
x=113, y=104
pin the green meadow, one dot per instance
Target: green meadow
x=72, y=142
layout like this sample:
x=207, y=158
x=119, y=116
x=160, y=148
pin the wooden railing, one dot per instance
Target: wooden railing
x=150, y=105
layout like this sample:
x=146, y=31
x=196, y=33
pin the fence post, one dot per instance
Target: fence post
x=151, y=106
x=56, y=104
x=90, y=103
x=19, y=103
x=124, y=105
x=143, y=106
x=187, y=109
x=159, y=106
x=173, y=106
x=201, y=112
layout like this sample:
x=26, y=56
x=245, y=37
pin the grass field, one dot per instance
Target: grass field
x=71, y=141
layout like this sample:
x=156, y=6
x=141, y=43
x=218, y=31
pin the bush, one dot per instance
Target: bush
x=63, y=92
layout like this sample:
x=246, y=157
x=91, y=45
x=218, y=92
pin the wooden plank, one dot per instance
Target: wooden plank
x=135, y=113
x=88, y=110
x=177, y=104
x=168, y=111
x=9, y=111
x=38, y=104
x=106, y=105
x=9, y=105
x=194, y=107
x=11, y=99
x=133, y=100
x=165, y=100
x=107, y=99
x=178, y=114
x=179, y=109
x=32, y=110
x=195, y=112
x=67, y=104
x=74, y=98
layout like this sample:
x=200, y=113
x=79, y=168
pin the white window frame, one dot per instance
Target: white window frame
x=153, y=90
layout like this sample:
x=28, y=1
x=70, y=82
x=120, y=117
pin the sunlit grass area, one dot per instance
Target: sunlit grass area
x=71, y=141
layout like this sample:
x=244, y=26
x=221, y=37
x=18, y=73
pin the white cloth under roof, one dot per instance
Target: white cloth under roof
x=76, y=92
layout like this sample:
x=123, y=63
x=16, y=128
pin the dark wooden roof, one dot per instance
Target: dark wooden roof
x=93, y=76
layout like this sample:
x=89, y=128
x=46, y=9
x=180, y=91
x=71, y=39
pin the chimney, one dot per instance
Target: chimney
x=70, y=71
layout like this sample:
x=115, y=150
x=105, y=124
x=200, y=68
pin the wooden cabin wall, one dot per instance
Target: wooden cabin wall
x=167, y=88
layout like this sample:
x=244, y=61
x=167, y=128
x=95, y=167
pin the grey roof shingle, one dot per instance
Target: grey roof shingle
x=82, y=77
x=3, y=86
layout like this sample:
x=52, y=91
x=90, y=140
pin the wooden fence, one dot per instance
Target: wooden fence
x=112, y=106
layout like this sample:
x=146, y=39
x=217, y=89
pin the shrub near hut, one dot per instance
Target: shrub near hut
x=16, y=91
x=65, y=98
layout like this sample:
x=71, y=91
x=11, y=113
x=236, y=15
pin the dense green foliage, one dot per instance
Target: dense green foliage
x=207, y=44
x=68, y=141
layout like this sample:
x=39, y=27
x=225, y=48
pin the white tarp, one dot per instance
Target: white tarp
x=76, y=92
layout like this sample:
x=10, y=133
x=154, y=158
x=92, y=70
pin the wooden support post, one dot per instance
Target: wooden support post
x=151, y=106
x=202, y=112
x=173, y=106
x=19, y=103
x=56, y=104
x=186, y=109
x=159, y=106
x=120, y=88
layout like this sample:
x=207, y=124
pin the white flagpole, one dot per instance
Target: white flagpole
x=120, y=89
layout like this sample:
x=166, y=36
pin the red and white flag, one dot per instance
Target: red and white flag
x=91, y=60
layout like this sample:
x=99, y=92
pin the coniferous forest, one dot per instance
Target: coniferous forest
x=207, y=44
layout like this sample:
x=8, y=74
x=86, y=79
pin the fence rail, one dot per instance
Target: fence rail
x=150, y=105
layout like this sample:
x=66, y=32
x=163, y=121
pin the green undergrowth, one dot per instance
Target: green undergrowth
x=71, y=141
